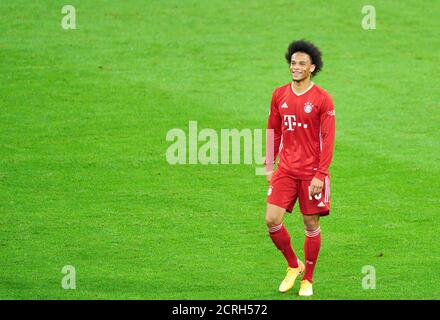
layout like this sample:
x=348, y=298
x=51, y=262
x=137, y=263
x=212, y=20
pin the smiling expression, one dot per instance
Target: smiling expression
x=301, y=66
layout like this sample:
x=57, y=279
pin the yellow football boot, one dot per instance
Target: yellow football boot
x=306, y=289
x=290, y=278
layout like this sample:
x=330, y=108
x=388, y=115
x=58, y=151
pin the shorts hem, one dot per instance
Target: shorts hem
x=281, y=206
x=321, y=213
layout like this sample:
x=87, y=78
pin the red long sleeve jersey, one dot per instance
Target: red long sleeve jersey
x=304, y=131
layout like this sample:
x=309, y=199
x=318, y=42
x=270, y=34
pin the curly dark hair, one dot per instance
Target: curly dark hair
x=310, y=49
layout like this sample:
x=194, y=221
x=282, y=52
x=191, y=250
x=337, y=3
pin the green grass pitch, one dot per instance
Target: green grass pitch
x=84, y=179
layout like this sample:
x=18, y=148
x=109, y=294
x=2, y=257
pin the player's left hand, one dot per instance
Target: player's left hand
x=316, y=186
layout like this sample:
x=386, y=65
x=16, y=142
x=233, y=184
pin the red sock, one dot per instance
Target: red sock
x=312, y=245
x=281, y=238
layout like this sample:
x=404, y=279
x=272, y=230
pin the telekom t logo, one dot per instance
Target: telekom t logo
x=290, y=121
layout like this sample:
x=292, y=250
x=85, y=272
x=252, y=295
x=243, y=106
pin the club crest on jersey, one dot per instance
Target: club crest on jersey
x=308, y=106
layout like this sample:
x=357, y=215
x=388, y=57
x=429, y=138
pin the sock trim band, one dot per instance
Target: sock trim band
x=276, y=228
x=314, y=233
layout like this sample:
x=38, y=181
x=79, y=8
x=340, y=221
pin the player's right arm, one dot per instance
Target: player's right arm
x=273, y=136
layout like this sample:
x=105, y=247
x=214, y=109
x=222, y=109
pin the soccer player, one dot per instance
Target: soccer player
x=302, y=117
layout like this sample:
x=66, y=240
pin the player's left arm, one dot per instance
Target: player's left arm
x=328, y=133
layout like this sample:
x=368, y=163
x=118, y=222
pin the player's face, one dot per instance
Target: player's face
x=301, y=66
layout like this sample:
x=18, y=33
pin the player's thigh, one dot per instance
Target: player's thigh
x=283, y=190
x=274, y=215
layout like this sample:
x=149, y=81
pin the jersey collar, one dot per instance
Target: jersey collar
x=300, y=94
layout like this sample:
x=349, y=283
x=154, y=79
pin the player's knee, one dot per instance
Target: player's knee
x=274, y=215
x=311, y=223
x=273, y=220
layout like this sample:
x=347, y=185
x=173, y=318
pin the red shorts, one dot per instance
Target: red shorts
x=284, y=189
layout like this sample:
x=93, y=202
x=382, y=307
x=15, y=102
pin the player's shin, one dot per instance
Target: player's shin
x=312, y=245
x=281, y=238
